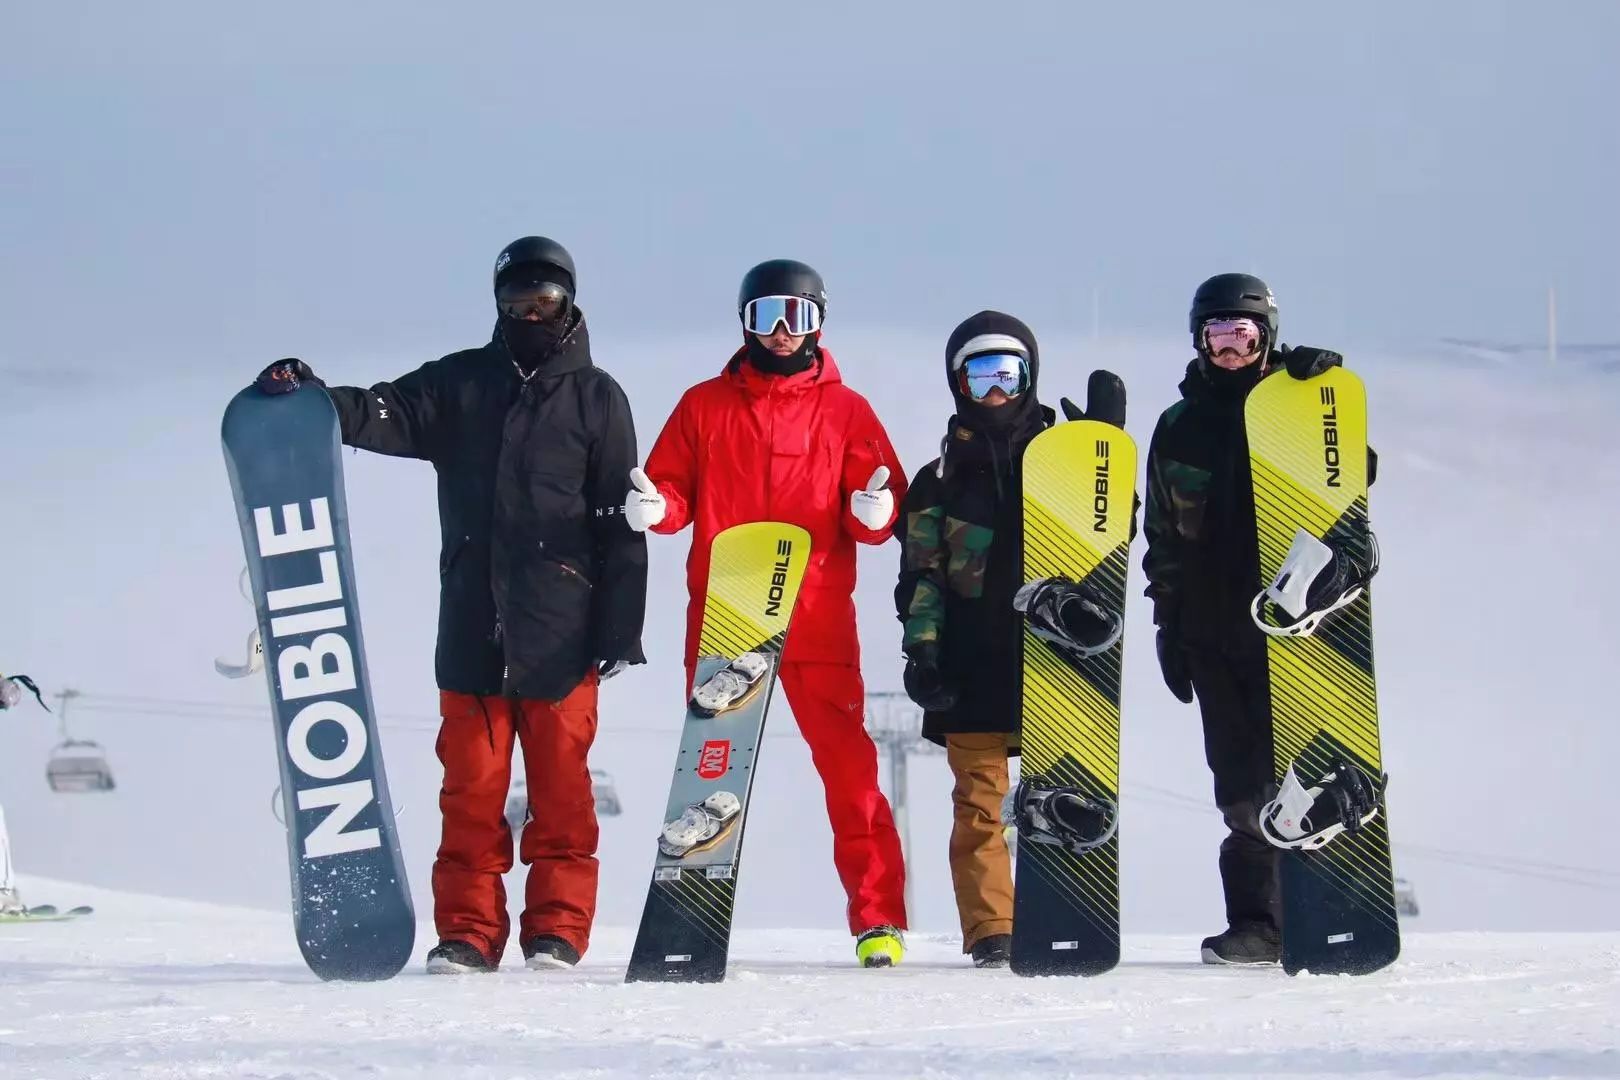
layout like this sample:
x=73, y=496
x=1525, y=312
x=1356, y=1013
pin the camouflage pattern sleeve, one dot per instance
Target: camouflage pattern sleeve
x=919, y=597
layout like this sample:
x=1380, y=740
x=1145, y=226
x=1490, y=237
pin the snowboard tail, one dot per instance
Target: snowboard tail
x=1079, y=478
x=1308, y=458
x=754, y=576
x=352, y=909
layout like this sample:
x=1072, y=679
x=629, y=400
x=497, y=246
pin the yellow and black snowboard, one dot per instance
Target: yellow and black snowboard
x=1308, y=458
x=1079, y=480
x=754, y=576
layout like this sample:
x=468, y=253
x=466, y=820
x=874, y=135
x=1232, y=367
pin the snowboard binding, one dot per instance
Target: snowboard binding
x=1068, y=617
x=1059, y=815
x=1315, y=580
x=732, y=686
x=1307, y=816
x=701, y=826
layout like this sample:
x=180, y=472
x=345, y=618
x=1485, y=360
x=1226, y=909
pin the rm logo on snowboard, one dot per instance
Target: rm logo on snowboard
x=1330, y=436
x=1099, y=501
x=714, y=759
x=323, y=670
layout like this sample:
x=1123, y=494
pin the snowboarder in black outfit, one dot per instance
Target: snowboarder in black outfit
x=1203, y=569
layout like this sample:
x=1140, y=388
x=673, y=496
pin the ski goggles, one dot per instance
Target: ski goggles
x=532, y=301
x=1007, y=372
x=796, y=314
x=1240, y=335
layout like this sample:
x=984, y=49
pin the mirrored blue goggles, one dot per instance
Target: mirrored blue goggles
x=1007, y=372
x=797, y=314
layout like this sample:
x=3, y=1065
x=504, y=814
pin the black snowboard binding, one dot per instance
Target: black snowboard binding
x=1069, y=617
x=1308, y=815
x=1062, y=816
x=1315, y=580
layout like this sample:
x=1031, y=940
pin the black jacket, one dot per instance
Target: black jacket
x=961, y=531
x=1203, y=555
x=539, y=575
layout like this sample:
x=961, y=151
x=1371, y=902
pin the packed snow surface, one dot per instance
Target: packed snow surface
x=156, y=988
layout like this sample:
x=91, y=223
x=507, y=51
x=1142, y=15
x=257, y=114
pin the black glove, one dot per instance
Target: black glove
x=1307, y=362
x=285, y=376
x=925, y=682
x=1105, y=400
x=1173, y=663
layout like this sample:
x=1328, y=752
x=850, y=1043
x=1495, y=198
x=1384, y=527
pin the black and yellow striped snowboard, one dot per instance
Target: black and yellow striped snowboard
x=754, y=576
x=1308, y=458
x=1078, y=484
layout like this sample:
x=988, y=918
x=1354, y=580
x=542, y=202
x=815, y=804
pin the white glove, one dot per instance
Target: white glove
x=643, y=507
x=874, y=507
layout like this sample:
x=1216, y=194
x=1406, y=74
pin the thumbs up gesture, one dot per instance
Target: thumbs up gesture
x=644, y=506
x=874, y=507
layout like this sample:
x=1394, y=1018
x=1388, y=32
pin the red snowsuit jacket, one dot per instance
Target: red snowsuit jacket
x=745, y=446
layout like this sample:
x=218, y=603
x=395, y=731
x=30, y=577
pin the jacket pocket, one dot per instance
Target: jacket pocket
x=564, y=566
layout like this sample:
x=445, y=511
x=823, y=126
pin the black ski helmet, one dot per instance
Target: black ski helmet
x=782, y=277
x=1234, y=294
x=529, y=251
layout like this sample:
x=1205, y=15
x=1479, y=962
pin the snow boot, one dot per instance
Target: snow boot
x=1251, y=945
x=994, y=951
x=880, y=947
x=451, y=957
x=547, y=952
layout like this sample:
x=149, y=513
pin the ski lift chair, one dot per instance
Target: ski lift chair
x=605, y=794
x=78, y=765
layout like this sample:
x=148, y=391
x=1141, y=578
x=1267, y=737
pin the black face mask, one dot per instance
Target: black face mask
x=531, y=343
x=771, y=364
x=1233, y=383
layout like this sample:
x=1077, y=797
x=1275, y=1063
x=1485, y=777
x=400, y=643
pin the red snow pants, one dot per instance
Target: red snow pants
x=559, y=842
x=829, y=703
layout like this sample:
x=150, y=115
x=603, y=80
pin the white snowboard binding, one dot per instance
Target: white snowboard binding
x=1068, y=617
x=1062, y=816
x=254, y=660
x=1305, y=817
x=1314, y=581
x=733, y=686
x=701, y=826
x=252, y=664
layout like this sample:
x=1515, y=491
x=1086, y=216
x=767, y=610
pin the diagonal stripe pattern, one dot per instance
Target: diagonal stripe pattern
x=1308, y=458
x=1078, y=481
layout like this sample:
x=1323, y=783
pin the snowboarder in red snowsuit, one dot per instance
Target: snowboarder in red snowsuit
x=777, y=436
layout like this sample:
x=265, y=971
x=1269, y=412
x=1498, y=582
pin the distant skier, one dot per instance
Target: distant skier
x=1203, y=569
x=11, y=695
x=961, y=568
x=542, y=593
x=777, y=436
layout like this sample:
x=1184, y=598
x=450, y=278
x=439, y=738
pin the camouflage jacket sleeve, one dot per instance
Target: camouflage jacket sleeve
x=919, y=598
x=1163, y=561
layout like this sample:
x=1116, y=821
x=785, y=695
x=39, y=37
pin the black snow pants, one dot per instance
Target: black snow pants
x=1234, y=697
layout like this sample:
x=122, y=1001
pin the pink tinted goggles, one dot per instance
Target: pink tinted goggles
x=1240, y=335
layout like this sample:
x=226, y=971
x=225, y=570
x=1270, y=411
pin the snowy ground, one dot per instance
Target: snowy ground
x=168, y=989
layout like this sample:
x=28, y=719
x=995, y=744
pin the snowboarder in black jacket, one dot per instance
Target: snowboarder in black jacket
x=1203, y=569
x=542, y=593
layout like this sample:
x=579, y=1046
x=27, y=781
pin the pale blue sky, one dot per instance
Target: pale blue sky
x=191, y=182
